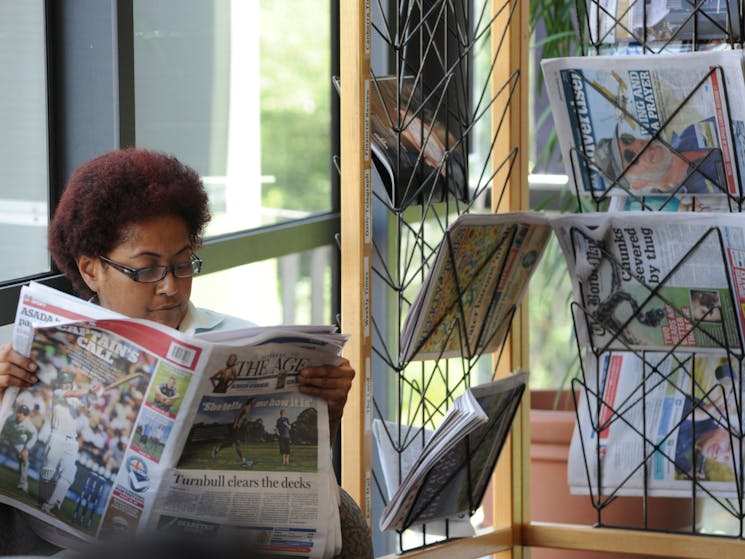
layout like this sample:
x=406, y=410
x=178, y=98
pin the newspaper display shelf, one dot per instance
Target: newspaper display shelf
x=676, y=375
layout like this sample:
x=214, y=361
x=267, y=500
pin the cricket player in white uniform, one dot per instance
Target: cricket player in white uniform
x=21, y=435
x=59, y=464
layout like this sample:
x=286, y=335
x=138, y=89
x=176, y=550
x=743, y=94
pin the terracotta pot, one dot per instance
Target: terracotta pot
x=550, y=435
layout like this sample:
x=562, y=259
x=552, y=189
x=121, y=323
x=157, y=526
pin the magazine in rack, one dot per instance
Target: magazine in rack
x=656, y=281
x=173, y=433
x=466, y=302
x=450, y=475
x=412, y=143
x=635, y=125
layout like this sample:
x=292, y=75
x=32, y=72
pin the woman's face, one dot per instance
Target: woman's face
x=160, y=241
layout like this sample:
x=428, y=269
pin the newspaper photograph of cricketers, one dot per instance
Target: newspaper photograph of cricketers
x=63, y=445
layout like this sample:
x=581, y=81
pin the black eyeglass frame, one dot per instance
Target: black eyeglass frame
x=195, y=267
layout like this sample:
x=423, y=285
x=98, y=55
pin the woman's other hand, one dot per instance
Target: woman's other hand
x=332, y=383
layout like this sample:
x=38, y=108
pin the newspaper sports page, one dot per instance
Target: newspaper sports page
x=135, y=427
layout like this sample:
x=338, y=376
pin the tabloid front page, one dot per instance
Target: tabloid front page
x=645, y=281
x=635, y=124
x=660, y=424
x=140, y=428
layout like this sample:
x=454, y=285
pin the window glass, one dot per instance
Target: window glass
x=293, y=289
x=24, y=201
x=240, y=91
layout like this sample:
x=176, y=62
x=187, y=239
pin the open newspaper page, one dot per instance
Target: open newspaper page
x=662, y=25
x=127, y=430
x=673, y=417
x=650, y=124
x=645, y=281
x=450, y=475
x=467, y=300
x=254, y=459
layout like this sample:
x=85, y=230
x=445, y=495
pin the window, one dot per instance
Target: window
x=241, y=91
x=24, y=158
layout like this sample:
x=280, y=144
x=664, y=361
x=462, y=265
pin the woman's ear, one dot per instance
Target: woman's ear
x=90, y=271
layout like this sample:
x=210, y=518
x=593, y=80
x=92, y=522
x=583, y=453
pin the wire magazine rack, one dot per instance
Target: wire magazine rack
x=435, y=118
x=664, y=438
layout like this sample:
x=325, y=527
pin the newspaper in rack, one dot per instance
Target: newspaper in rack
x=450, y=475
x=674, y=418
x=414, y=143
x=663, y=24
x=645, y=281
x=650, y=124
x=141, y=428
x=480, y=272
x=396, y=464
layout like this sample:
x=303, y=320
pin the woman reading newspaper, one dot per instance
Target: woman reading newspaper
x=125, y=234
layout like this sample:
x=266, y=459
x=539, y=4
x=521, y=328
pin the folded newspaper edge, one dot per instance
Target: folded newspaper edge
x=137, y=427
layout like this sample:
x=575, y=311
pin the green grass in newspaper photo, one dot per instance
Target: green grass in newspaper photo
x=265, y=458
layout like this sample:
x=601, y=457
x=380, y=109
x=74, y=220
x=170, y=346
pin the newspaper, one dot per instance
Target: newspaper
x=140, y=428
x=480, y=272
x=449, y=477
x=660, y=425
x=669, y=123
x=663, y=25
x=656, y=281
x=396, y=464
x=415, y=149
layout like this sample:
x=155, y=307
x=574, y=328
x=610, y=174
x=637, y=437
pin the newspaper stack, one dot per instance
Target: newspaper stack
x=636, y=125
x=450, y=475
x=646, y=281
x=467, y=300
x=134, y=427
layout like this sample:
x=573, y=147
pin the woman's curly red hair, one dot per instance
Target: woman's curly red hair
x=110, y=192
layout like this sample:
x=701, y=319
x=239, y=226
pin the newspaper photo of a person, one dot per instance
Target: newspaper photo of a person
x=282, y=430
x=686, y=165
x=230, y=431
x=166, y=392
x=19, y=432
x=234, y=437
x=706, y=440
x=223, y=378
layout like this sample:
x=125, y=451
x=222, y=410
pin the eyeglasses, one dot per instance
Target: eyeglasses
x=154, y=274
